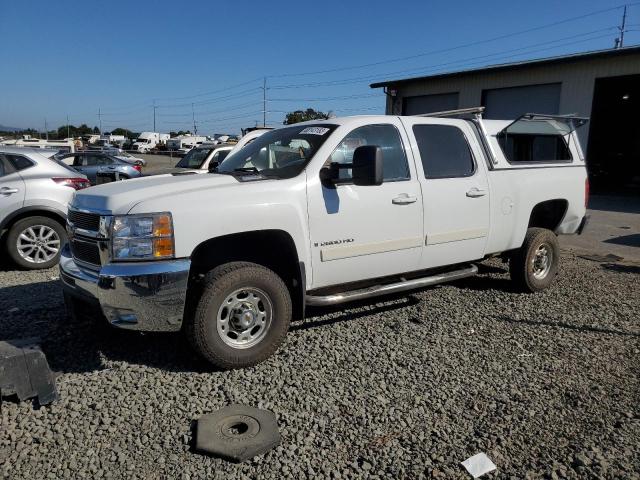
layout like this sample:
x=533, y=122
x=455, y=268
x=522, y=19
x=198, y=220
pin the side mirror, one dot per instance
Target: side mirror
x=213, y=165
x=367, y=165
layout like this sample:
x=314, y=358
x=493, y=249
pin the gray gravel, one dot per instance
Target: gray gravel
x=547, y=385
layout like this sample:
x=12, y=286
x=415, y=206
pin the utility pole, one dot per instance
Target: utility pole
x=622, y=28
x=100, y=120
x=46, y=129
x=67, y=126
x=193, y=116
x=154, y=115
x=264, y=102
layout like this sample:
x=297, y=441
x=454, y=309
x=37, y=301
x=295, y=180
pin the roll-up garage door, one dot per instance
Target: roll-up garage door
x=429, y=103
x=510, y=103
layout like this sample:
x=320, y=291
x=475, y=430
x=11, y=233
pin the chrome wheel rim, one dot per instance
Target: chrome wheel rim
x=542, y=261
x=38, y=244
x=244, y=317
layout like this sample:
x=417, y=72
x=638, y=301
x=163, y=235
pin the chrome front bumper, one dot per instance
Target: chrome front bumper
x=146, y=296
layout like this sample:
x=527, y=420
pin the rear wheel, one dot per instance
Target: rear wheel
x=242, y=317
x=35, y=242
x=534, y=266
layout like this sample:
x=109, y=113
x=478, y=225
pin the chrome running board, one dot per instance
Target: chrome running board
x=343, y=297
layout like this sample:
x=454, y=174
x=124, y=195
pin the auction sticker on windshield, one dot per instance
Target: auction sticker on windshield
x=315, y=131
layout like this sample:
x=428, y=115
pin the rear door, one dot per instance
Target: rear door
x=12, y=188
x=455, y=189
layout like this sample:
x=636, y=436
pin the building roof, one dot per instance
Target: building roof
x=517, y=65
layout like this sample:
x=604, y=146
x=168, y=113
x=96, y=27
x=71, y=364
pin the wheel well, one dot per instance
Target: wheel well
x=548, y=214
x=273, y=249
x=32, y=213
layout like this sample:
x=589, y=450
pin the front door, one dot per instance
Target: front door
x=12, y=189
x=455, y=189
x=359, y=232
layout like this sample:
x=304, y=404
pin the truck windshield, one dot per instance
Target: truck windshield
x=281, y=153
x=194, y=159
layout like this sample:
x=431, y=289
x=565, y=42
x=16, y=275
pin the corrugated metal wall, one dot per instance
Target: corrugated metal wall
x=577, y=79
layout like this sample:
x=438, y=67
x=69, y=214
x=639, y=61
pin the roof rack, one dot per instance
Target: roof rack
x=460, y=112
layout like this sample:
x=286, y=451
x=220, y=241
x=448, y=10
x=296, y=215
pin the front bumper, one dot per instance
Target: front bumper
x=146, y=296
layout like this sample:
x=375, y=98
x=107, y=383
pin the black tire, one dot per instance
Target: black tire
x=219, y=284
x=34, y=223
x=532, y=274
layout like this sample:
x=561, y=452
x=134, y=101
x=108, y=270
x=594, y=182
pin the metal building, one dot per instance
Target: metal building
x=603, y=85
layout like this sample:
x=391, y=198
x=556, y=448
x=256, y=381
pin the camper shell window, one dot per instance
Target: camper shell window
x=520, y=147
x=538, y=138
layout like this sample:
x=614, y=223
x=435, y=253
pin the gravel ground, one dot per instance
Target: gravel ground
x=547, y=385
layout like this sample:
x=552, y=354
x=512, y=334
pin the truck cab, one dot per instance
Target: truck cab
x=322, y=213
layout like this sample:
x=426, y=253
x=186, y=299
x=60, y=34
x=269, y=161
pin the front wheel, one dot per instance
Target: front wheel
x=35, y=242
x=534, y=265
x=242, y=317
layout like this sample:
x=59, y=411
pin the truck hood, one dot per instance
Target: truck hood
x=121, y=197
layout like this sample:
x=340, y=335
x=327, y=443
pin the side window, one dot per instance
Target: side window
x=80, y=161
x=394, y=159
x=534, y=148
x=5, y=167
x=444, y=151
x=222, y=154
x=19, y=162
x=103, y=160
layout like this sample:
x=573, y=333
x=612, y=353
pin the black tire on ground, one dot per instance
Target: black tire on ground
x=534, y=265
x=205, y=330
x=35, y=223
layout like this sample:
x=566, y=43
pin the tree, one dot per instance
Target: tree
x=96, y=130
x=302, y=116
x=122, y=131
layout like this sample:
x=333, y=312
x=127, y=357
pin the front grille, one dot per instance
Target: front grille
x=86, y=251
x=85, y=221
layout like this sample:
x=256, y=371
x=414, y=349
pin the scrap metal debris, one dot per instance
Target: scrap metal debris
x=24, y=371
x=237, y=432
x=478, y=465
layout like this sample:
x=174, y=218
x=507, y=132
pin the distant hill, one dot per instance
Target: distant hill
x=9, y=129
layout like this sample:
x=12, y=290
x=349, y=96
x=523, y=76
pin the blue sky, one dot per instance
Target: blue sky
x=72, y=58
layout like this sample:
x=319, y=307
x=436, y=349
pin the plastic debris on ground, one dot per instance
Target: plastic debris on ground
x=478, y=465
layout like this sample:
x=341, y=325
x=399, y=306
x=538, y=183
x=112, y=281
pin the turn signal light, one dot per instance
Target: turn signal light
x=162, y=247
x=162, y=225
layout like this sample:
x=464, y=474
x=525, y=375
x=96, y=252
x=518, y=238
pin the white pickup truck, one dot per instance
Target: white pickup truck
x=321, y=213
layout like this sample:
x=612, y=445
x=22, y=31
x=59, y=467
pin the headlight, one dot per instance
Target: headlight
x=142, y=237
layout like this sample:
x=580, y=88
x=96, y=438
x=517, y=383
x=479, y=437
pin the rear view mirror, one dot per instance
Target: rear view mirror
x=367, y=165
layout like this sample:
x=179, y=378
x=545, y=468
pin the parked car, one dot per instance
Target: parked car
x=34, y=195
x=127, y=157
x=321, y=213
x=118, y=153
x=201, y=159
x=90, y=162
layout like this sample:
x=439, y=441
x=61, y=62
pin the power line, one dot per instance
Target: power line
x=431, y=67
x=326, y=99
x=212, y=100
x=458, y=47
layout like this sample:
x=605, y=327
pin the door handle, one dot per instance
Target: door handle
x=8, y=191
x=476, y=192
x=404, y=199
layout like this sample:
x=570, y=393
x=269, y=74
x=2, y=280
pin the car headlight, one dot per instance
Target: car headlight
x=142, y=237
